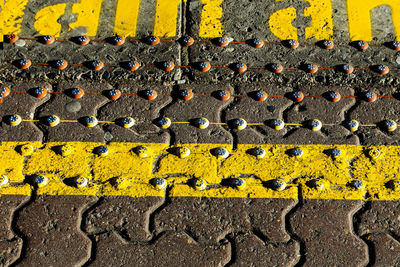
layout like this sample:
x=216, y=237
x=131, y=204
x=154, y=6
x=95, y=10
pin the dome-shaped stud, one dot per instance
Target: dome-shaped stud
x=187, y=41
x=66, y=150
x=374, y=153
x=278, y=124
x=61, y=64
x=311, y=68
x=96, y=65
x=133, y=65
x=159, y=183
x=335, y=153
x=90, y=121
x=390, y=125
x=47, y=39
x=164, y=123
x=370, y=97
x=41, y=181
x=127, y=122
x=102, y=151
x=260, y=95
x=82, y=40
x=14, y=120
x=77, y=93
x=327, y=44
x=259, y=153
x=292, y=44
x=27, y=150
x=297, y=152
x=315, y=125
x=118, y=40
x=353, y=125
x=24, y=63
x=152, y=40
x=167, y=66
x=222, y=41
x=202, y=123
x=199, y=184
x=239, y=124
x=141, y=152
x=11, y=38
x=276, y=68
x=347, y=69
x=223, y=95
x=361, y=45
x=221, y=153
x=3, y=180
x=240, y=67
x=204, y=66
x=239, y=183
x=356, y=184
x=150, y=94
x=318, y=184
x=5, y=91
x=278, y=184
x=334, y=96
x=185, y=94
x=396, y=45
x=183, y=152
x=256, y=43
x=52, y=120
x=81, y=182
x=382, y=69
x=297, y=96
x=113, y=94
x=40, y=92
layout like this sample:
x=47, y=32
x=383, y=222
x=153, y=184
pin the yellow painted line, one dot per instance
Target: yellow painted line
x=11, y=13
x=320, y=13
x=280, y=23
x=126, y=16
x=359, y=17
x=210, y=24
x=88, y=15
x=125, y=172
x=166, y=17
x=46, y=20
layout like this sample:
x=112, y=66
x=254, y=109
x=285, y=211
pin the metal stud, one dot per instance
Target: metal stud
x=334, y=96
x=183, y=152
x=297, y=152
x=382, y=69
x=159, y=183
x=353, y=125
x=297, y=96
x=199, y=184
x=187, y=41
x=150, y=94
x=167, y=66
x=102, y=151
x=222, y=41
x=118, y=40
x=221, y=153
x=96, y=65
x=10, y=38
x=66, y=150
x=292, y=44
x=362, y=45
x=61, y=64
x=240, y=67
x=357, y=184
x=370, y=97
x=24, y=63
x=153, y=40
x=223, y=95
x=40, y=181
x=276, y=68
x=53, y=120
x=315, y=125
x=278, y=184
x=114, y=94
x=77, y=93
x=278, y=124
x=90, y=121
x=327, y=44
x=256, y=43
x=204, y=66
x=259, y=153
x=3, y=180
x=81, y=182
x=141, y=151
x=202, y=123
x=82, y=40
x=186, y=94
x=260, y=95
x=347, y=69
x=14, y=120
x=239, y=183
x=390, y=125
x=47, y=39
x=336, y=152
x=239, y=124
x=133, y=65
x=311, y=68
x=127, y=122
x=164, y=123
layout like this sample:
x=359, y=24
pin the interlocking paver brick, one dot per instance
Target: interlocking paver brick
x=51, y=228
x=386, y=249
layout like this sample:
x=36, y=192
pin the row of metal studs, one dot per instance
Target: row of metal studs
x=203, y=66
x=188, y=41
x=201, y=123
x=187, y=94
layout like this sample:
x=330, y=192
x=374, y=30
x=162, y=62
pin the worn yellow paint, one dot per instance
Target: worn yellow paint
x=11, y=13
x=280, y=23
x=359, y=16
x=166, y=19
x=320, y=12
x=46, y=20
x=123, y=172
x=88, y=14
x=210, y=23
x=126, y=16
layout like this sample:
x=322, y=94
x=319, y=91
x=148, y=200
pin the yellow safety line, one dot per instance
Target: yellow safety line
x=126, y=170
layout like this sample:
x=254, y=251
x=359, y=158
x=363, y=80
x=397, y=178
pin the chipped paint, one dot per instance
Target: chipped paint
x=210, y=24
x=46, y=20
x=11, y=14
x=88, y=15
x=359, y=16
x=320, y=12
x=124, y=172
x=280, y=23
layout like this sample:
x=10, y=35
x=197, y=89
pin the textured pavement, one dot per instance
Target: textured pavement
x=78, y=229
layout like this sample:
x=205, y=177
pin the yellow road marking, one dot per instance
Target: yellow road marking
x=126, y=16
x=210, y=24
x=359, y=16
x=46, y=20
x=11, y=13
x=280, y=23
x=88, y=15
x=320, y=12
x=125, y=172
x=166, y=17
